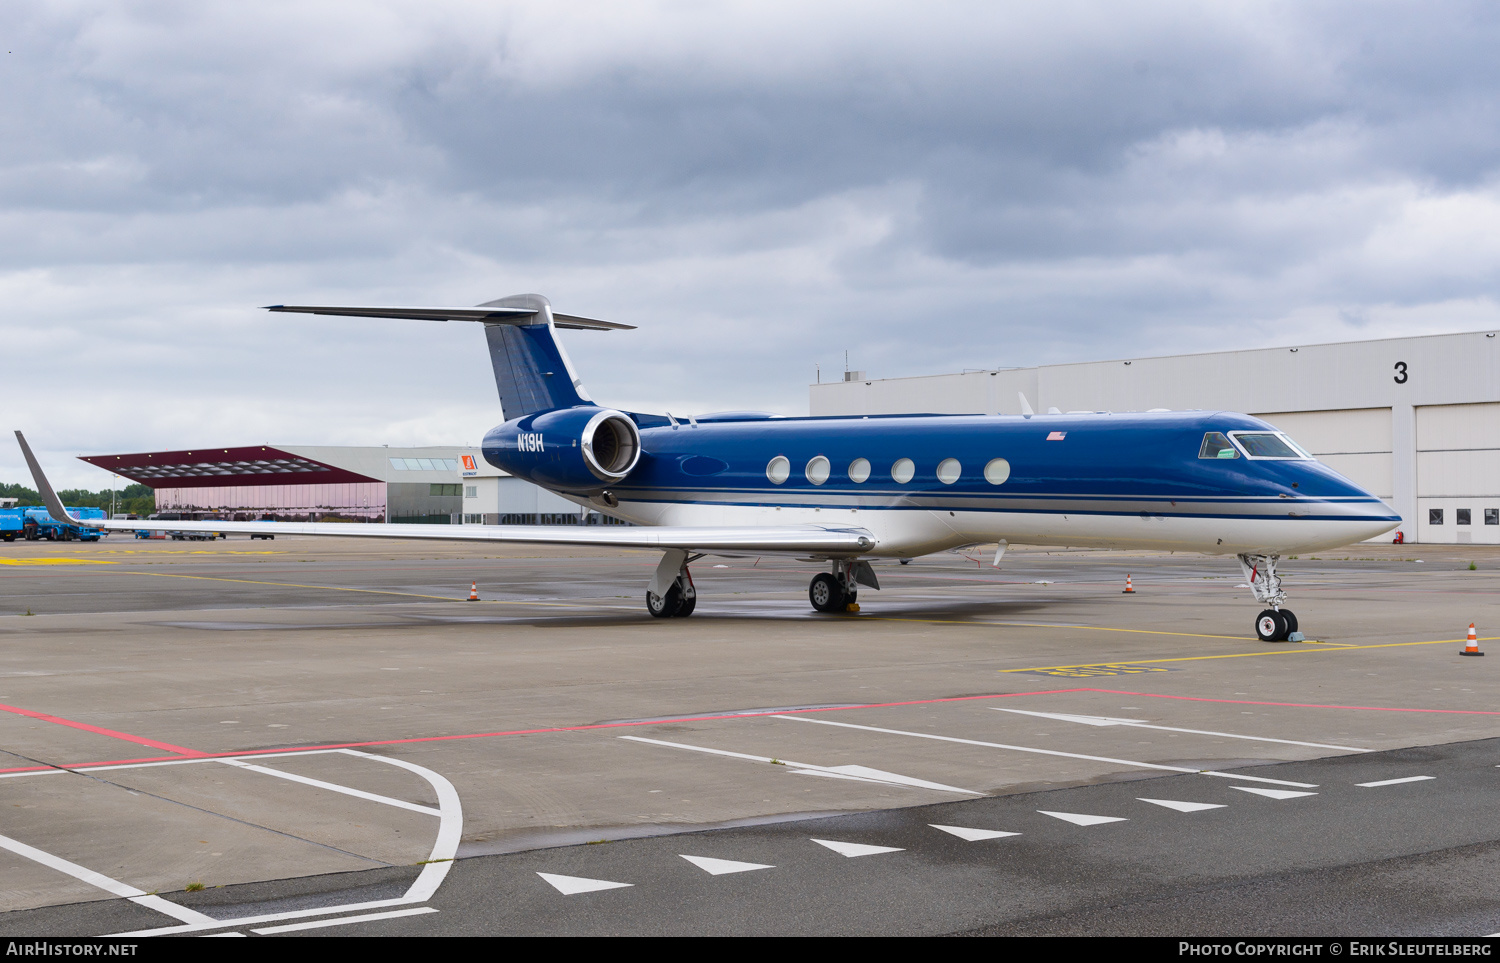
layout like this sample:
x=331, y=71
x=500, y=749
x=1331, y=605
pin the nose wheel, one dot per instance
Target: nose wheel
x=1275, y=626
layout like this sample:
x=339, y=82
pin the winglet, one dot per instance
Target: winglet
x=54, y=504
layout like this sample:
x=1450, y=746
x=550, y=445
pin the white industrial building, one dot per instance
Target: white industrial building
x=494, y=497
x=1415, y=421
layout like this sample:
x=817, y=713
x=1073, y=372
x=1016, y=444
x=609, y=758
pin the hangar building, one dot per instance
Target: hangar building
x=1413, y=420
x=328, y=483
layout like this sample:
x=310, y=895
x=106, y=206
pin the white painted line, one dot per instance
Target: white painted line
x=573, y=885
x=721, y=867
x=451, y=827
x=162, y=762
x=1182, y=806
x=1084, y=819
x=341, y=921
x=856, y=849
x=1273, y=793
x=109, y=885
x=334, y=787
x=1042, y=752
x=209, y=936
x=972, y=835
x=867, y=774
x=856, y=773
x=439, y=862
x=1393, y=782
x=722, y=752
x=1143, y=724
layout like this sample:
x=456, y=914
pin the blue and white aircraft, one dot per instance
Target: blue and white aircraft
x=844, y=490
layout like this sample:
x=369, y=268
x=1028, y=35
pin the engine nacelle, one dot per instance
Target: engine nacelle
x=582, y=449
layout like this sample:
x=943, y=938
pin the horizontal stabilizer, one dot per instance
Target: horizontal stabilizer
x=491, y=315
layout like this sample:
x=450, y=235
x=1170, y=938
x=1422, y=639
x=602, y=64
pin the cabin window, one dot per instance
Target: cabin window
x=903, y=470
x=997, y=471
x=859, y=470
x=779, y=470
x=1434, y=516
x=1492, y=516
x=1268, y=444
x=1460, y=516
x=948, y=470
x=1215, y=445
x=817, y=470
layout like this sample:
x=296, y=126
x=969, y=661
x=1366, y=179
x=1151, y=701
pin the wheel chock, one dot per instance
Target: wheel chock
x=852, y=607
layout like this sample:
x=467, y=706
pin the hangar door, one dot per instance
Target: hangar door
x=1458, y=473
x=1355, y=442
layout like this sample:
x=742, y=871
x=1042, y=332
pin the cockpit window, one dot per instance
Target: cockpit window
x=1266, y=444
x=1215, y=445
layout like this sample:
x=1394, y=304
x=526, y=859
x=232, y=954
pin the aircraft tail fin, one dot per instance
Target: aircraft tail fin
x=532, y=371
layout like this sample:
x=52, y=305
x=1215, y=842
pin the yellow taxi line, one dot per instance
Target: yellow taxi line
x=1243, y=655
x=337, y=588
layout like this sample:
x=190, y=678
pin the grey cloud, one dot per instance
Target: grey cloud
x=961, y=185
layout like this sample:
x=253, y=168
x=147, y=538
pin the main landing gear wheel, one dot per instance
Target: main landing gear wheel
x=1274, y=626
x=826, y=594
x=665, y=606
x=677, y=603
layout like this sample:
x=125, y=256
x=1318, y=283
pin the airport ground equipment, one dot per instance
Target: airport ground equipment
x=38, y=524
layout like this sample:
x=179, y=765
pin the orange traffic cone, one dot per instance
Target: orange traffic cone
x=473, y=591
x=1473, y=647
x=1129, y=589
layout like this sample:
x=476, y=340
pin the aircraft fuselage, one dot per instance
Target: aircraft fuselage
x=923, y=483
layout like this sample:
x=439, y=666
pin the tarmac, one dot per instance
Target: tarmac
x=321, y=736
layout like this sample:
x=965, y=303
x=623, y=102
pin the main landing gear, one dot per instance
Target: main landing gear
x=1275, y=624
x=837, y=591
x=671, y=593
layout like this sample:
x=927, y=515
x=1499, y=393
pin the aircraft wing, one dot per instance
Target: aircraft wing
x=790, y=539
x=794, y=540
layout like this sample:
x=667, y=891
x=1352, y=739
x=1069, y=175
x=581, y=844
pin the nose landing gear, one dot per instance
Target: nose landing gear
x=1275, y=624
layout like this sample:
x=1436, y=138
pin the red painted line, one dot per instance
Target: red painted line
x=540, y=731
x=1294, y=705
x=680, y=719
x=97, y=730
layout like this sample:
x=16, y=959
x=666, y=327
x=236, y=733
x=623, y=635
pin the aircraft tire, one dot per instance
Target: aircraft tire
x=1270, y=626
x=664, y=606
x=687, y=606
x=825, y=593
x=1291, y=621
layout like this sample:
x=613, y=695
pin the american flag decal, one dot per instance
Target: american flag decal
x=1057, y=436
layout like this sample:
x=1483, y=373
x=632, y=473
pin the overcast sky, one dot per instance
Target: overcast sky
x=759, y=186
